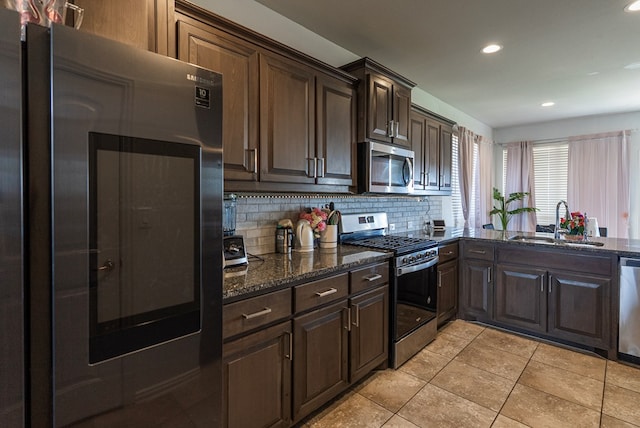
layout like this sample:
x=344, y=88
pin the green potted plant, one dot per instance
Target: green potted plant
x=502, y=208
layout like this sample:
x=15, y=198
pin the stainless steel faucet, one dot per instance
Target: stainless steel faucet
x=556, y=231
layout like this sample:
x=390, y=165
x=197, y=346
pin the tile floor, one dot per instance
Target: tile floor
x=475, y=376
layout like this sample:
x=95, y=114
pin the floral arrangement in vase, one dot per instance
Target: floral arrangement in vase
x=317, y=218
x=574, y=225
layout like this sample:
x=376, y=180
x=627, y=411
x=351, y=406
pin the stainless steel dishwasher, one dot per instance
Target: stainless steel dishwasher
x=629, y=322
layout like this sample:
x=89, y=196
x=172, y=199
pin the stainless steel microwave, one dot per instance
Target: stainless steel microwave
x=384, y=169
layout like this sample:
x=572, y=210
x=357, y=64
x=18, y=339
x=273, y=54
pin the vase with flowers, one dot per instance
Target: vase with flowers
x=573, y=227
x=317, y=218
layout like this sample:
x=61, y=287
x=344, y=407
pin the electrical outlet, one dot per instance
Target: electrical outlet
x=410, y=225
x=392, y=226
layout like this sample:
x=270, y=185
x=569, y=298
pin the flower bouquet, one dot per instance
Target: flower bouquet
x=573, y=226
x=317, y=218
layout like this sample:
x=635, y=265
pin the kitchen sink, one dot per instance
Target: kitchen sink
x=552, y=241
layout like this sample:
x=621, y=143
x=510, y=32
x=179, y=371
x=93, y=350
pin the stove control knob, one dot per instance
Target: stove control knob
x=405, y=260
x=412, y=259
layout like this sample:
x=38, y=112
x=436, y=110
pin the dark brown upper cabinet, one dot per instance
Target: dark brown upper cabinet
x=384, y=103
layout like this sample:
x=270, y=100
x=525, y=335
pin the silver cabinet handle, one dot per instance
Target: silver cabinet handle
x=550, y=282
x=290, y=339
x=478, y=251
x=348, y=327
x=489, y=274
x=254, y=158
x=397, y=130
x=372, y=277
x=357, y=321
x=448, y=253
x=327, y=292
x=440, y=279
x=265, y=311
x=320, y=169
x=107, y=266
x=312, y=164
x=391, y=129
x=541, y=284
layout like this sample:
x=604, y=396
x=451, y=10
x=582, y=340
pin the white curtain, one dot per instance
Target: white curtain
x=465, y=170
x=598, y=180
x=484, y=195
x=520, y=178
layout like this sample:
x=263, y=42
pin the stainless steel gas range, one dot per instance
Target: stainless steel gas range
x=413, y=287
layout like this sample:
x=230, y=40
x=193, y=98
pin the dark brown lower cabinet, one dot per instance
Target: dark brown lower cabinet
x=521, y=297
x=369, y=336
x=580, y=308
x=257, y=379
x=476, y=297
x=320, y=363
x=447, y=291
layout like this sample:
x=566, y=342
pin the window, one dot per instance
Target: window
x=550, y=163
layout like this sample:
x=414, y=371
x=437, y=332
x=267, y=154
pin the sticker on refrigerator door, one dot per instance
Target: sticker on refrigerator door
x=203, y=97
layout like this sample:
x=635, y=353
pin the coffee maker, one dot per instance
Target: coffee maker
x=234, y=251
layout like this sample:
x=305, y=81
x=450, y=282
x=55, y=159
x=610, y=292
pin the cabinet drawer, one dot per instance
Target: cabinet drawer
x=368, y=277
x=448, y=252
x=254, y=312
x=320, y=292
x=477, y=250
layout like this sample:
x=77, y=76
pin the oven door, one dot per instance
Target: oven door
x=416, y=296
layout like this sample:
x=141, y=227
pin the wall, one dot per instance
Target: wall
x=258, y=215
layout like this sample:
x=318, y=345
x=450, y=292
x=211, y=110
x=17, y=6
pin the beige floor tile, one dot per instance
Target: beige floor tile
x=539, y=409
x=610, y=422
x=398, y=422
x=564, y=384
x=391, y=388
x=504, y=422
x=475, y=385
x=435, y=407
x=425, y=365
x=493, y=360
x=507, y=342
x=462, y=329
x=448, y=345
x=621, y=403
x=622, y=375
x=355, y=411
x=576, y=362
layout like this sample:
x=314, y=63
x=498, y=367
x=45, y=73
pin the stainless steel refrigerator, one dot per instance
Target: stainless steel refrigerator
x=123, y=215
x=11, y=230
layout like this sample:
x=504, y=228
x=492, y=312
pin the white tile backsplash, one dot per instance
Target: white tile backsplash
x=258, y=214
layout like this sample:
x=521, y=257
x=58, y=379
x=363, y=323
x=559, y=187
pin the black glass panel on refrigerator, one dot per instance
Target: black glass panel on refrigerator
x=144, y=222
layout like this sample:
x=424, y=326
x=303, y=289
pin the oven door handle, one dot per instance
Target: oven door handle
x=415, y=268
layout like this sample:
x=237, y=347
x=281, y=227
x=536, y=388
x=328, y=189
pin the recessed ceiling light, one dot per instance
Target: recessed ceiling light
x=548, y=104
x=492, y=48
x=633, y=6
x=632, y=66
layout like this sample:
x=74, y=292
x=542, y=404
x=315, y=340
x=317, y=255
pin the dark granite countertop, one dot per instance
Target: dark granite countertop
x=275, y=271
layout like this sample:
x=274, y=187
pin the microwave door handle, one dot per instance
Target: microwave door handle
x=408, y=162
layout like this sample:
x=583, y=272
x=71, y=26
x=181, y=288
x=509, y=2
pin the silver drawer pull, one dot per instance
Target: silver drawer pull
x=478, y=251
x=265, y=311
x=450, y=253
x=373, y=277
x=327, y=292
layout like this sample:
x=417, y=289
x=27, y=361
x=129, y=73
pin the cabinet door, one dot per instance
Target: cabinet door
x=238, y=63
x=257, y=379
x=320, y=364
x=446, y=135
x=432, y=155
x=401, y=115
x=379, y=111
x=521, y=297
x=142, y=24
x=369, y=339
x=477, y=291
x=579, y=308
x=287, y=121
x=417, y=136
x=336, y=131
x=447, y=290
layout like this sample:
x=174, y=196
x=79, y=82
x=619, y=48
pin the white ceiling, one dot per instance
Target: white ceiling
x=551, y=50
